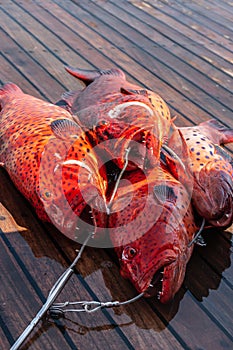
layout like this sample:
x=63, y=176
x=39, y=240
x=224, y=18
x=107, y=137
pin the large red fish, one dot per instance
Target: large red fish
x=111, y=108
x=151, y=225
x=210, y=169
x=50, y=159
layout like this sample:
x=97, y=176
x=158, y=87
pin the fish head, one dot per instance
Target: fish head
x=151, y=235
x=155, y=267
x=214, y=193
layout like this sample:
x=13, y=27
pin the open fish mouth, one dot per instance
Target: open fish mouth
x=156, y=285
x=225, y=220
x=164, y=283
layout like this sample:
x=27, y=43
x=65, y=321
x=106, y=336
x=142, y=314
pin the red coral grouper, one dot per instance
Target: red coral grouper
x=151, y=225
x=111, y=108
x=210, y=167
x=49, y=158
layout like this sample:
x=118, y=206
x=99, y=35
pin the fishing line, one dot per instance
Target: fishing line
x=53, y=294
x=198, y=239
x=172, y=154
x=126, y=159
x=88, y=306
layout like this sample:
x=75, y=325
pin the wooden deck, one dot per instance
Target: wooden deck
x=181, y=49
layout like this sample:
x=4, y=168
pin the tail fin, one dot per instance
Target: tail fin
x=217, y=132
x=88, y=76
x=8, y=89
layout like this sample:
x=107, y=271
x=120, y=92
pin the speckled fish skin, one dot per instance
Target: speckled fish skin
x=111, y=107
x=210, y=167
x=48, y=157
x=151, y=225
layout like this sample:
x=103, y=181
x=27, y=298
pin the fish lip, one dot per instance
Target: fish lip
x=149, y=276
x=225, y=220
x=166, y=287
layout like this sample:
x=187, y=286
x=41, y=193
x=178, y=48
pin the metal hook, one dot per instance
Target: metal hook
x=88, y=306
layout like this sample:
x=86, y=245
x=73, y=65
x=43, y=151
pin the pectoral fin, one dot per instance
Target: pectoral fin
x=65, y=129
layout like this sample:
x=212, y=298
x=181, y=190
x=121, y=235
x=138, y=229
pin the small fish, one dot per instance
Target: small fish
x=118, y=115
x=151, y=225
x=210, y=169
x=49, y=158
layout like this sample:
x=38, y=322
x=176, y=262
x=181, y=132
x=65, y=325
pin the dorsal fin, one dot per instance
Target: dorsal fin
x=126, y=91
x=88, y=76
x=69, y=97
x=65, y=129
x=223, y=153
x=177, y=156
x=217, y=132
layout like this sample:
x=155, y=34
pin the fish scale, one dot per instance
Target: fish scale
x=41, y=155
x=150, y=226
x=209, y=169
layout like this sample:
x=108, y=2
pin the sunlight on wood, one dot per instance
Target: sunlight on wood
x=7, y=222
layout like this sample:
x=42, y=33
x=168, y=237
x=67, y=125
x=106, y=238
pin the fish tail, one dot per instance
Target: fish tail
x=7, y=89
x=88, y=76
x=217, y=132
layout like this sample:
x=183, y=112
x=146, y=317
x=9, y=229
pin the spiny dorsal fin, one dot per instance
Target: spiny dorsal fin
x=88, y=76
x=217, y=132
x=126, y=91
x=223, y=153
x=65, y=129
x=69, y=97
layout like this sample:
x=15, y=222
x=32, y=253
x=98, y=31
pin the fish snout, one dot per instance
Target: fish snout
x=155, y=279
x=215, y=202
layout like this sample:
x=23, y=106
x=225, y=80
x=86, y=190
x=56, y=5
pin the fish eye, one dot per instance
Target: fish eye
x=46, y=195
x=129, y=252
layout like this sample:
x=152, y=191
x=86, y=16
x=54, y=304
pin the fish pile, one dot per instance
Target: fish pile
x=109, y=158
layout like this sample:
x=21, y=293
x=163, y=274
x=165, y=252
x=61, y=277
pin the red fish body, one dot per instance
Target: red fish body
x=49, y=158
x=150, y=225
x=111, y=108
x=210, y=168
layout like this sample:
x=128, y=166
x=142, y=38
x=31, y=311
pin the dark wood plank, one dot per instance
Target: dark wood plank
x=180, y=17
x=107, y=49
x=183, y=73
x=205, y=22
x=204, y=8
x=150, y=17
x=13, y=74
